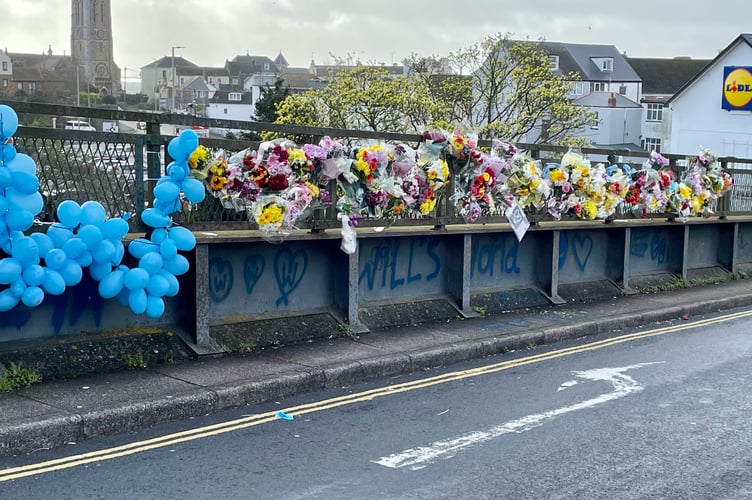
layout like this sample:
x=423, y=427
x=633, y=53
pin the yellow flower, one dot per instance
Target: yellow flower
x=199, y=157
x=427, y=206
x=556, y=175
x=589, y=210
x=295, y=154
x=313, y=188
x=218, y=182
x=444, y=169
x=432, y=174
x=270, y=215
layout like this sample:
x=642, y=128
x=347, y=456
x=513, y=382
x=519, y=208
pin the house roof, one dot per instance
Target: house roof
x=248, y=65
x=197, y=83
x=42, y=62
x=578, y=58
x=280, y=60
x=223, y=97
x=298, y=80
x=167, y=62
x=666, y=76
x=325, y=70
x=600, y=100
x=744, y=38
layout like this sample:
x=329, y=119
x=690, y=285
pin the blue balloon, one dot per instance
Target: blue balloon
x=23, y=163
x=7, y=300
x=173, y=281
x=112, y=284
x=26, y=250
x=59, y=234
x=5, y=176
x=91, y=235
x=24, y=182
x=71, y=272
x=104, y=252
x=7, y=152
x=183, y=237
x=18, y=287
x=54, y=284
x=137, y=300
x=188, y=140
x=151, y=263
x=168, y=249
x=194, y=190
x=55, y=258
x=140, y=247
x=136, y=279
x=10, y=270
x=32, y=296
x=8, y=123
x=173, y=148
x=117, y=256
x=178, y=171
x=92, y=212
x=154, y=306
x=74, y=247
x=99, y=270
x=85, y=259
x=69, y=214
x=123, y=297
x=167, y=190
x=34, y=275
x=177, y=266
x=158, y=285
x=32, y=202
x=154, y=218
x=115, y=229
x=19, y=219
x=44, y=243
x=159, y=235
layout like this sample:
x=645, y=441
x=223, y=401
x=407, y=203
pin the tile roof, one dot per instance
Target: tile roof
x=666, y=76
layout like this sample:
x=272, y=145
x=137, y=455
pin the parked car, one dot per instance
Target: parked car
x=79, y=125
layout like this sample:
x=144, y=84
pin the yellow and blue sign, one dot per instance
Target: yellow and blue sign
x=737, y=88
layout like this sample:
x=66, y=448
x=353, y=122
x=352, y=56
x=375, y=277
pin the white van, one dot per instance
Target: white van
x=79, y=125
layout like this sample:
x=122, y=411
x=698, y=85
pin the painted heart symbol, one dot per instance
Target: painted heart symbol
x=289, y=269
x=220, y=278
x=252, y=271
x=582, y=247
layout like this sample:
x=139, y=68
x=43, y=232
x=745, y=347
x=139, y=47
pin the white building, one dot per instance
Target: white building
x=714, y=109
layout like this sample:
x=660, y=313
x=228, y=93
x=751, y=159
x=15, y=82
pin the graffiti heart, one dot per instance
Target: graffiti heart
x=252, y=271
x=220, y=278
x=289, y=269
x=582, y=248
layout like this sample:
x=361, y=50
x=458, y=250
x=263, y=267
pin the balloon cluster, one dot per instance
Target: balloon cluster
x=159, y=262
x=84, y=236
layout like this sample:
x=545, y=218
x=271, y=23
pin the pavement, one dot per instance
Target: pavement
x=53, y=413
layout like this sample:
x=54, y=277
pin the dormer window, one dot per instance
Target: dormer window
x=235, y=96
x=553, y=62
x=607, y=64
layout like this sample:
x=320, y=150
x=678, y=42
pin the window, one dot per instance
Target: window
x=5, y=65
x=554, y=62
x=266, y=66
x=623, y=89
x=5, y=82
x=32, y=85
x=235, y=96
x=234, y=81
x=607, y=64
x=595, y=121
x=651, y=144
x=578, y=88
x=225, y=110
x=20, y=85
x=597, y=86
x=655, y=112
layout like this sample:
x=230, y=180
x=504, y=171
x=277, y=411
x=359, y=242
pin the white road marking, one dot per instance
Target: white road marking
x=418, y=458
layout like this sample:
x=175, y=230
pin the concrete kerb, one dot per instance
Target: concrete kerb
x=43, y=434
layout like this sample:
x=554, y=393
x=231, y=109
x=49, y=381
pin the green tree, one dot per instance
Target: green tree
x=514, y=91
x=271, y=96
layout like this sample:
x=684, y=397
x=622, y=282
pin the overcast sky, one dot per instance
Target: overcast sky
x=375, y=31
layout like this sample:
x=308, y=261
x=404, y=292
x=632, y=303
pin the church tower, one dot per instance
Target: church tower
x=91, y=45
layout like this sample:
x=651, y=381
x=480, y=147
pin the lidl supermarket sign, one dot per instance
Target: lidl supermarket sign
x=737, y=88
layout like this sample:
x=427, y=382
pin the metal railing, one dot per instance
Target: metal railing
x=120, y=169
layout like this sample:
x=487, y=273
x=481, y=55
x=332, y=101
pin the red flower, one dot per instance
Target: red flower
x=277, y=182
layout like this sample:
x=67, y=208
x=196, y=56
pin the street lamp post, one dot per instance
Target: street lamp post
x=172, y=105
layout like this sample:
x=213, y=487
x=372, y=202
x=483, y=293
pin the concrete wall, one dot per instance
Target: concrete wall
x=246, y=279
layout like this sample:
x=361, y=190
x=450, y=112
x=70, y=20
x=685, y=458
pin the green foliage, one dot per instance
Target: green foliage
x=135, y=360
x=246, y=347
x=16, y=377
x=271, y=96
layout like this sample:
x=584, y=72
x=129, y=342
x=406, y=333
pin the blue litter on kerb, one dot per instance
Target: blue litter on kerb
x=284, y=416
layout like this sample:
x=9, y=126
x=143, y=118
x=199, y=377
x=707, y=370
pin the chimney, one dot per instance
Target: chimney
x=612, y=101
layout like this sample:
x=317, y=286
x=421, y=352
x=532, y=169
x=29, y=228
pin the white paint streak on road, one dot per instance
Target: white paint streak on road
x=418, y=458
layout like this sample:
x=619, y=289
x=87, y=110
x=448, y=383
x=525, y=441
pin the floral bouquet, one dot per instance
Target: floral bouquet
x=433, y=144
x=198, y=162
x=270, y=212
x=704, y=182
x=526, y=183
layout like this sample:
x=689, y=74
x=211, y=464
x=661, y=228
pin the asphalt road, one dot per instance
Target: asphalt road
x=613, y=417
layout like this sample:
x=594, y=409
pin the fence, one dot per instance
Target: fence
x=121, y=169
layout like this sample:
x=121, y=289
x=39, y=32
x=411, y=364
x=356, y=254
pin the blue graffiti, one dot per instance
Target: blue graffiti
x=658, y=247
x=384, y=261
x=289, y=269
x=643, y=239
x=220, y=278
x=638, y=245
x=486, y=255
x=252, y=271
x=581, y=247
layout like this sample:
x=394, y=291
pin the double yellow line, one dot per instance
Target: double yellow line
x=254, y=420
